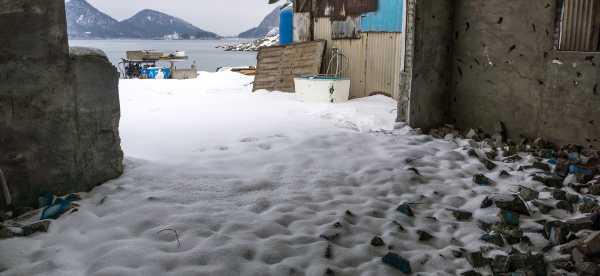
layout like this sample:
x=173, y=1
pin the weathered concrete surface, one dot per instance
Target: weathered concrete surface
x=505, y=68
x=432, y=57
x=47, y=125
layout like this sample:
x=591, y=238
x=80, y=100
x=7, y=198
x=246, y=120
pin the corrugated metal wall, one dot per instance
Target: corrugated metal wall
x=580, y=25
x=375, y=60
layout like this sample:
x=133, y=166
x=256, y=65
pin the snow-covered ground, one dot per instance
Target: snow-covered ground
x=222, y=181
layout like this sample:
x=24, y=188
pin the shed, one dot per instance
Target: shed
x=368, y=32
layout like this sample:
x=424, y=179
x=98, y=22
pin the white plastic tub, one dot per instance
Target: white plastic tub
x=323, y=89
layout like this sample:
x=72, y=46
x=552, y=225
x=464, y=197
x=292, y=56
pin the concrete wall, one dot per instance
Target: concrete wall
x=505, y=68
x=52, y=124
x=431, y=60
x=510, y=72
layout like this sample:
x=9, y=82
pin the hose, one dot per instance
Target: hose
x=5, y=191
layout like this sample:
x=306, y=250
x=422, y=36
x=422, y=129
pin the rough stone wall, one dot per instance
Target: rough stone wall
x=432, y=53
x=45, y=121
x=505, y=68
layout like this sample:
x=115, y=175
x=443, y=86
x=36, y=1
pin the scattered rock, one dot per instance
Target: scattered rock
x=559, y=194
x=483, y=180
x=565, y=205
x=512, y=159
x=493, y=239
x=5, y=233
x=470, y=273
x=476, y=259
x=544, y=208
x=486, y=203
x=528, y=194
x=488, y=164
x=573, y=198
x=509, y=217
x=511, y=203
x=591, y=245
x=541, y=166
x=397, y=262
x=328, y=252
x=40, y=226
x=424, y=236
x=405, y=208
x=462, y=215
x=550, y=180
x=504, y=174
x=594, y=190
x=377, y=241
x=556, y=232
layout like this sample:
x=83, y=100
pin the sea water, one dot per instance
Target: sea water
x=204, y=53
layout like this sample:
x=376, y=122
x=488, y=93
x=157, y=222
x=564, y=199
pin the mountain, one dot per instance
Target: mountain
x=267, y=26
x=157, y=25
x=84, y=21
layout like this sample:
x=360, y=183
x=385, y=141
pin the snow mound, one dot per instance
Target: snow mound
x=223, y=181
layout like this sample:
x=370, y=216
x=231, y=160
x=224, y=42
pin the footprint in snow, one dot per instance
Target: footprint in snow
x=249, y=140
x=265, y=146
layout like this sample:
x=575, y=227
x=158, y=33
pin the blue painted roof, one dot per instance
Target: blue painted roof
x=387, y=18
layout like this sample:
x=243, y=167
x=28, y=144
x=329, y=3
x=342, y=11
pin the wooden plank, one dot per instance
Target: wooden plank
x=277, y=66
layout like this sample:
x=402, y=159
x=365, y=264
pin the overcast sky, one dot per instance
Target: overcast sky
x=225, y=17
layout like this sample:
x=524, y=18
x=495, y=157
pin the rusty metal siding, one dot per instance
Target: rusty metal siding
x=340, y=9
x=347, y=29
x=580, y=25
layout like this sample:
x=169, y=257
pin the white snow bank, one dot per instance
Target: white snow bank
x=168, y=118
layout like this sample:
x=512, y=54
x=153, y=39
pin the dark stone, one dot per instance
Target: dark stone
x=377, y=241
x=5, y=233
x=328, y=252
x=559, y=194
x=405, y=208
x=500, y=264
x=509, y=217
x=348, y=213
x=424, y=236
x=550, y=181
x=488, y=164
x=556, y=232
x=512, y=159
x=470, y=273
x=524, y=262
x=572, y=198
x=486, y=203
x=400, y=227
x=397, y=262
x=40, y=226
x=564, y=265
x=565, y=205
x=493, y=239
x=462, y=215
x=541, y=166
x=543, y=207
x=482, y=180
x=588, y=269
x=511, y=203
x=594, y=190
x=589, y=222
x=329, y=272
x=512, y=236
x=591, y=245
x=504, y=174
x=476, y=259
x=528, y=194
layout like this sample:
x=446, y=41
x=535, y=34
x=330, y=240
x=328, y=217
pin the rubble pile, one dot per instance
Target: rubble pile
x=252, y=46
x=563, y=208
x=26, y=222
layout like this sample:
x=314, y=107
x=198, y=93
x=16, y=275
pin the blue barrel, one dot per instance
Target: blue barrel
x=286, y=26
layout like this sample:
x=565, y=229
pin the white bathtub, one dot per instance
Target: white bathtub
x=323, y=89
